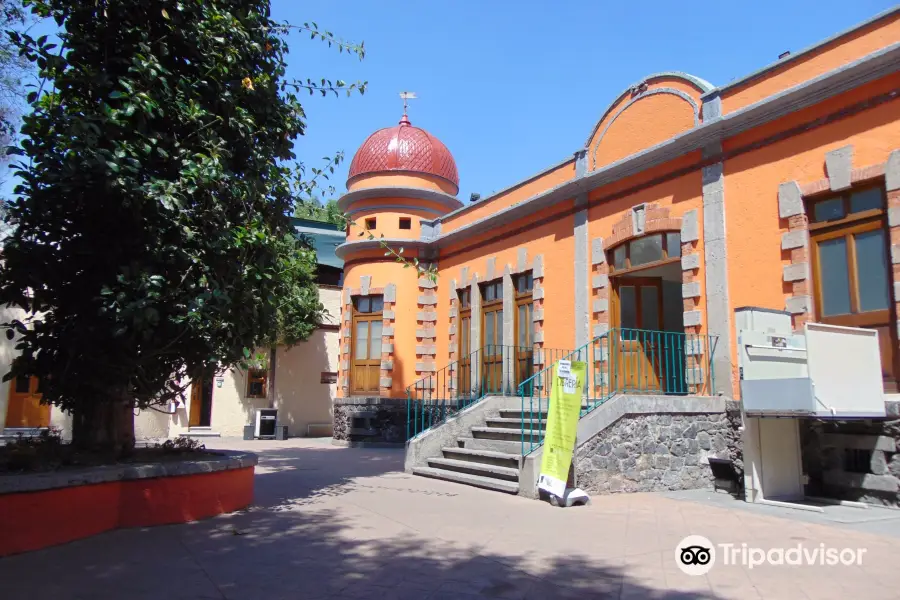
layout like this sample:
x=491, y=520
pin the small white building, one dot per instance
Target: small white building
x=301, y=384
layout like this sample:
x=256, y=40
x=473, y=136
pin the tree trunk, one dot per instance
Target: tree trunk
x=106, y=425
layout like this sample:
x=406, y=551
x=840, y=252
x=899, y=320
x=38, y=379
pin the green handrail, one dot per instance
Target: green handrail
x=489, y=370
x=625, y=361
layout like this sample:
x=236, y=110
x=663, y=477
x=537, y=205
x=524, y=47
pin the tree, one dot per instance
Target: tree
x=313, y=209
x=12, y=70
x=152, y=241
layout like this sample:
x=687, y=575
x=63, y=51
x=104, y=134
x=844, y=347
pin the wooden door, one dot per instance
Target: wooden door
x=852, y=284
x=638, y=342
x=365, y=369
x=492, y=338
x=464, y=349
x=524, y=329
x=200, y=414
x=24, y=408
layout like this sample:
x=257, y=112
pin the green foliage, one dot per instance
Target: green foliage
x=12, y=71
x=314, y=210
x=181, y=445
x=152, y=240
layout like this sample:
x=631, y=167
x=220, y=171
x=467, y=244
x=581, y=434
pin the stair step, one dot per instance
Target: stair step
x=475, y=468
x=515, y=413
x=498, y=433
x=202, y=432
x=503, y=446
x=503, y=422
x=489, y=483
x=502, y=459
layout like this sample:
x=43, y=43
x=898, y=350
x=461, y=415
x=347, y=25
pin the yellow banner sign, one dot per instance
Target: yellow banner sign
x=562, y=425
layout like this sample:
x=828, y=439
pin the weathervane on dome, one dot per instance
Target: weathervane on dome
x=407, y=96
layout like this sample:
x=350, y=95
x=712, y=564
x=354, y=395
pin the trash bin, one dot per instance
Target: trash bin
x=265, y=423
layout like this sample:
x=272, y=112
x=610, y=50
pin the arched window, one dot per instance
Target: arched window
x=645, y=251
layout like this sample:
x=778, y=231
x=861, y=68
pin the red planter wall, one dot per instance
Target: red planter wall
x=34, y=520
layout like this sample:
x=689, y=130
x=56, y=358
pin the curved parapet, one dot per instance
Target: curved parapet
x=647, y=113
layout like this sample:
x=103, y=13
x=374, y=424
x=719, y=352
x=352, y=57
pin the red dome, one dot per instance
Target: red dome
x=404, y=148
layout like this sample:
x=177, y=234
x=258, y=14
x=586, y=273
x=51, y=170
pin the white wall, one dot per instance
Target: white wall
x=300, y=396
x=151, y=425
x=7, y=354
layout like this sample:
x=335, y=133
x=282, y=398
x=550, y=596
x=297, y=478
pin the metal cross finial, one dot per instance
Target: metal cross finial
x=407, y=96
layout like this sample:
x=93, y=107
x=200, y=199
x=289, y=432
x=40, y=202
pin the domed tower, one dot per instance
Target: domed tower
x=401, y=179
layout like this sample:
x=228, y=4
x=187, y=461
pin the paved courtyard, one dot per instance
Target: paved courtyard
x=347, y=523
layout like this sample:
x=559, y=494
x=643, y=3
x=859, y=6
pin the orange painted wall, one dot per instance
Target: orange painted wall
x=650, y=120
x=555, y=241
x=755, y=259
x=406, y=280
x=839, y=52
x=33, y=520
x=539, y=183
x=427, y=182
x=387, y=223
x=647, y=122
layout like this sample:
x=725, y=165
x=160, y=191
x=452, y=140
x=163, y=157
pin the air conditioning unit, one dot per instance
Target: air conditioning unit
x=265, y=423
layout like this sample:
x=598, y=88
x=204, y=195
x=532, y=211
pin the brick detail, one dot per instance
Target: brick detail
x=862, y=175
x=893, y=201
x=796, y=273
x=426, y=324
x=537, y=299
x=655, y=219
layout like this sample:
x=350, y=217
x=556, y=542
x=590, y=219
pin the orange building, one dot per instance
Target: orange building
x=780, y=190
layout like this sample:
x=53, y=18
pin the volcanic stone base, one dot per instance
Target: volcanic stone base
x=371, y=420
x=654, y=452
x=827, y=446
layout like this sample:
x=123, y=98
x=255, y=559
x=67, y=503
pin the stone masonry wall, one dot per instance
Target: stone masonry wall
x=825, y=448
x=381, y=420
x=656, y=452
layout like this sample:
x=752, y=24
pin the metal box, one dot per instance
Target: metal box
x=265, y=423
x=766, y=320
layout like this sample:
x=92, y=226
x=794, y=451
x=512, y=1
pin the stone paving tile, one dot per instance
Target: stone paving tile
x=346, y=523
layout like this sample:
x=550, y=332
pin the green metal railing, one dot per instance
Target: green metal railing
x=624, y=361
x=491, y=370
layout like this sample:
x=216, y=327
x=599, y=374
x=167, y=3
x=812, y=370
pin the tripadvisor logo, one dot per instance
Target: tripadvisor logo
x=696, y=555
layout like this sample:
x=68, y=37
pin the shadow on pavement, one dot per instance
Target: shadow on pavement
x=297, y=543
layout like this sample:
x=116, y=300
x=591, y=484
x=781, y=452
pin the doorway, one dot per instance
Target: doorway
x=201, y=402
x=637, y=348
x=492, y=336
x=365, y=370
x=648, y=345
x=24, y=408
x=464, y=350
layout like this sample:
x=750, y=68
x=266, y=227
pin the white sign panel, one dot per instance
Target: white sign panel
x=845, y=368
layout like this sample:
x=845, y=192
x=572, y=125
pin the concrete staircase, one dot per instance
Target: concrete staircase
x=485, y=454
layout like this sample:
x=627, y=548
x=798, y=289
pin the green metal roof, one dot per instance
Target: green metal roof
x=325, y=236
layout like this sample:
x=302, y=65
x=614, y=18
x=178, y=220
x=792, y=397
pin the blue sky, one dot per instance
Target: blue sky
x=512, y=87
